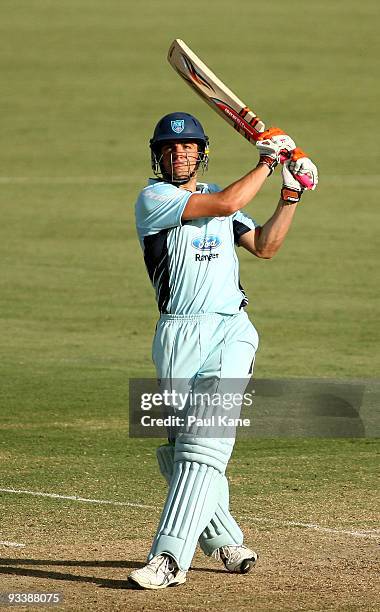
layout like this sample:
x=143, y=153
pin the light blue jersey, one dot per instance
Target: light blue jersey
x=192, y=264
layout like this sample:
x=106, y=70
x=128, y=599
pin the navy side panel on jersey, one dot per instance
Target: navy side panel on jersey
x=157, y=263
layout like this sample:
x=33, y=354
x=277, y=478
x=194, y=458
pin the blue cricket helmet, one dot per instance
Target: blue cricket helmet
x=178, y=126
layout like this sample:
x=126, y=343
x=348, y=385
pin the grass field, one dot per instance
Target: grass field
x=83, y=83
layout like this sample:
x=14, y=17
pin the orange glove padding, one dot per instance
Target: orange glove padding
x=272, y=131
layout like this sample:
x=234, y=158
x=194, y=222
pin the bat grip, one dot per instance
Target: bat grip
x=304, y=180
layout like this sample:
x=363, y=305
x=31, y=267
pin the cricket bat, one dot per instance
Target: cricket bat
x=213, y=91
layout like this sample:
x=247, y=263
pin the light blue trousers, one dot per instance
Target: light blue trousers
x=199, y=352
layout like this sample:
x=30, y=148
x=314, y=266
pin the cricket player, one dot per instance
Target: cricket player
x=188, y=231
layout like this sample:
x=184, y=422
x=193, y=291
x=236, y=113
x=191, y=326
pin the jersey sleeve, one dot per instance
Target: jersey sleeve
x=160, y=207
x=242, y=224
x=213, y=187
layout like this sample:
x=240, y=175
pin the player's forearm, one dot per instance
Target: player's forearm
x=239, y=194
x=274, y=231
x=229, y=200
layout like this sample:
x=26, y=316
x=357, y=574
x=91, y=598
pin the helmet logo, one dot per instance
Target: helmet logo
x=178, y=125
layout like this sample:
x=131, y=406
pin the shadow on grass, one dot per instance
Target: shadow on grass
x=47, y=574
x=71, y=563
x=7, y=567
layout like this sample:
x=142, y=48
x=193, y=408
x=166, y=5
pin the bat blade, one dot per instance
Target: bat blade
x=213, y=91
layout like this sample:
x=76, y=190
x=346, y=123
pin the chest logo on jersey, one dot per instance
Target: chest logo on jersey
x=206, y=243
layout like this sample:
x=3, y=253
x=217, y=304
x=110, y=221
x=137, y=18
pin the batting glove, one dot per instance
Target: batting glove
x=274, y=146
x=303, y=169
x=292, y=190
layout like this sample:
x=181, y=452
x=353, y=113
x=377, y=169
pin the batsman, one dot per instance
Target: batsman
x=189, y=231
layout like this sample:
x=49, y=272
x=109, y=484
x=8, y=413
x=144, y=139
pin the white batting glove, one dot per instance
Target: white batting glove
x=292, y=190
x=274, y=146
x=304, y=171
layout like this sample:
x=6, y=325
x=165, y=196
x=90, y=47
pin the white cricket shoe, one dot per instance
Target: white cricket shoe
x=161, y=572
x=236, y=559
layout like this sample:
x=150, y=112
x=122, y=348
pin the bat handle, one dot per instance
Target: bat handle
x=304, y=180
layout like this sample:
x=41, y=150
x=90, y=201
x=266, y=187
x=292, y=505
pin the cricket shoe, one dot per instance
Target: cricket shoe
x=236, y=559
x=161, y=572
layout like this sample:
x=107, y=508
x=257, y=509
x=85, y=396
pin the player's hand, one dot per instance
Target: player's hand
x=274, y=146
x=292, y=189
x=303, y=169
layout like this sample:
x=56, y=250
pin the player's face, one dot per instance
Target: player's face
x=179, y=158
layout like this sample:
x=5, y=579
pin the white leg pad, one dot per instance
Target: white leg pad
x=190, y=505
x=222, y=530
x=165, y=458
x=196, y=487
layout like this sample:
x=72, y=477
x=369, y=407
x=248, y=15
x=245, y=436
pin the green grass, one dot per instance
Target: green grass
x=83, y=84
